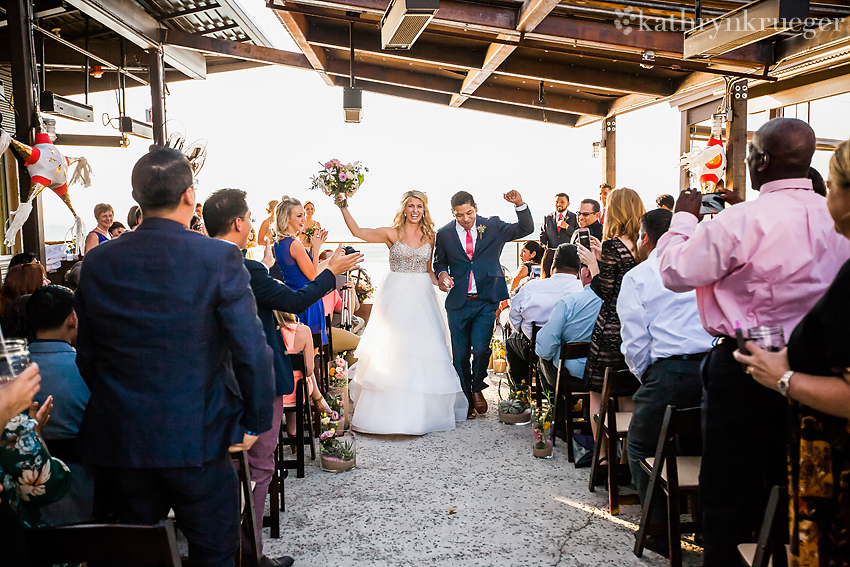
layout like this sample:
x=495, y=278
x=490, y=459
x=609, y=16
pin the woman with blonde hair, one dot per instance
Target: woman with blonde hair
x=267, y=226
x=298, y=265
x=608, y=264
x=310, y=225
x=405, y=382
x=104, y=215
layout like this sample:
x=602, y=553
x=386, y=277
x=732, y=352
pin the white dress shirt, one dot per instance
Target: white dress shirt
x=654, y=321
x=461, y=233
x=537, y=298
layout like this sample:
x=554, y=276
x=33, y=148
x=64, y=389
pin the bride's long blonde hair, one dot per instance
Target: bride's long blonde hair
x=426, y=225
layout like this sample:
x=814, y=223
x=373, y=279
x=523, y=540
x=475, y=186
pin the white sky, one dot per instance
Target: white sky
x=268, y=128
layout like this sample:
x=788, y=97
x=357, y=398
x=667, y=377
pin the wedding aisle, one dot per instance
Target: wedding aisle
x=470, y=497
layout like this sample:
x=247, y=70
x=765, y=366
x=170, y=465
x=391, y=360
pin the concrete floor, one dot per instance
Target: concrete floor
x=474, y=496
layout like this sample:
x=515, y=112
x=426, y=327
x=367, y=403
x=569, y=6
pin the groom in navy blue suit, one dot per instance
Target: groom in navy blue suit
x=472, y=244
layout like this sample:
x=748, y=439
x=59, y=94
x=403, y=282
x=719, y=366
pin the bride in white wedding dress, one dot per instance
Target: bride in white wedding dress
x=404, y=382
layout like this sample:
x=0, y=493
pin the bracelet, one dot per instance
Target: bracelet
x=784, y=383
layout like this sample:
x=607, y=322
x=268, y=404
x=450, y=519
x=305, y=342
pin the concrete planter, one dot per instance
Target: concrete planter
x=515, y=418
x=334, y=465
x=543, y=453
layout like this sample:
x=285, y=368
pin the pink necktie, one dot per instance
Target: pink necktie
x=469, y=252
x=560, y=218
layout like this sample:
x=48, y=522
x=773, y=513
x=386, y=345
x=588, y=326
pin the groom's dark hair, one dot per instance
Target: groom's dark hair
x=462, y=198
x=566, y=259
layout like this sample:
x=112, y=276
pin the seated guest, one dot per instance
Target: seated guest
x=22, y=279
x=72, y=276
x=23, y=258
x=531, y=255
x=298, y=338
x=572, y=321
x=818, y=185
x=812, y=374
x=104, y=215
x=665, y=202
x=546, y=263
x=51, y=319
x=134, y=217
x=534, y=303
x=588, y=217
x=558, y=226
x=664, y=344
x=746, y=277
x=117, y=229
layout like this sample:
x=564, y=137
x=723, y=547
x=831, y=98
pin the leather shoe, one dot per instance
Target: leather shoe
x=479, y=402
x=284, y=561
x=470, y=414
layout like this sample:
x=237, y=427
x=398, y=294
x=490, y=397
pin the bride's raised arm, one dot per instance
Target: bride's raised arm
x=383, y=235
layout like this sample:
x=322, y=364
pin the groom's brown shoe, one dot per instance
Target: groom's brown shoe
x=479, y=402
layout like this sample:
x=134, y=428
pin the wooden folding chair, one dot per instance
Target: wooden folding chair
x=676, y=476
x=770, y=549
x=248, y=556
x=321, y=363
x=92, y=543
x=564, y=395
x=331, y=352
x=613, y=428
x=303, y=424
x=533, y=373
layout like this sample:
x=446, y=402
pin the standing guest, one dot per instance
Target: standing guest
x=22, y=279
x=310, y=226
x=664, y=344
x=104, y=214
x=617, y=257
x=228, y=218
x=665, y=202
x=812, y=373
x=534, y=303
x=604, y=190
x=558, y=227
x=117, y=229
x=51, y=318
x=134, y=217
x=746, y=275
x=267, y=226
x=167, y=343
x=199, y=211
x=588, y=217
x=297, y=264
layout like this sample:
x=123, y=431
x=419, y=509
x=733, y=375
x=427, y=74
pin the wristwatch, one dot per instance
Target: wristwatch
x=784, y=383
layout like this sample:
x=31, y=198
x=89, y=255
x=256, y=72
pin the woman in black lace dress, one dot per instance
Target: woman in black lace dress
x=620, y=233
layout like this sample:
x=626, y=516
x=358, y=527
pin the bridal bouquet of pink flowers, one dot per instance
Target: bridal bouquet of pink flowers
x=339, y=181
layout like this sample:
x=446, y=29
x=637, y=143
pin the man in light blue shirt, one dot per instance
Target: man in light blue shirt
x=51, y=317
x=572, y=320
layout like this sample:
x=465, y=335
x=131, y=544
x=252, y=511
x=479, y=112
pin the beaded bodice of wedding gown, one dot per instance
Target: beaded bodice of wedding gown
x=407, y=260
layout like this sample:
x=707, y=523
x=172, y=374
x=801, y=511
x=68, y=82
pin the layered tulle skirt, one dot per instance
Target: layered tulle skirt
x=404, y=381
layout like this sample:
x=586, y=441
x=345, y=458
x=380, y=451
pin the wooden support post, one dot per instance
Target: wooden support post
x=19, y=16
x=157, y=79
x=684, y=147
x=776, y=113
x=736, y=139
x=609, y=149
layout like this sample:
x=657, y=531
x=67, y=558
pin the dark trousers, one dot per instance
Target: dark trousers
x=667, y=382
x=471, y=328
x=744, y=446
x=517, y=350
x=205, y=500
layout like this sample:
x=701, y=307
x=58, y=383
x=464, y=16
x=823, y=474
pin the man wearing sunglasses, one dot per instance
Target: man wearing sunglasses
x=588, y=217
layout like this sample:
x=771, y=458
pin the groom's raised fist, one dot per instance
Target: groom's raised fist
x=514, y=197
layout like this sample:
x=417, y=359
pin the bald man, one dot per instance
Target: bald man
x=765, y=262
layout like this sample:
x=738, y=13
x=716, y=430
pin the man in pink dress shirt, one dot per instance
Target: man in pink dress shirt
x=765, y=262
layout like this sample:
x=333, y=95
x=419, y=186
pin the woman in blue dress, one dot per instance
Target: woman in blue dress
x=297, y=264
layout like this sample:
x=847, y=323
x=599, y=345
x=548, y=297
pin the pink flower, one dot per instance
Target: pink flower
x=326, y=435
x=334, y=416
x=335, y=161
x=342, y=177
x=329, y=166
x=537, y=435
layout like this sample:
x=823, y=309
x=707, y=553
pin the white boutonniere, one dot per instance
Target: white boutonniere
x=481, y=229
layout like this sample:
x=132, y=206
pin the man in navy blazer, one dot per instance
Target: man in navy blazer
x=170, y=345
x=228, y=218
x=472, y=244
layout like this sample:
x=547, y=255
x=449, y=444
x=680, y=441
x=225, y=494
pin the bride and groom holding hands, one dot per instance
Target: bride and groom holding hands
x=421, y=365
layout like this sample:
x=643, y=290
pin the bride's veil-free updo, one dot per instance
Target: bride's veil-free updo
x=426, y=225
x=281, y=217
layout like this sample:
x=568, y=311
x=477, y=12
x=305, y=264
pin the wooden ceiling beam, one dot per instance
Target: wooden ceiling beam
x=236, y=49
x=389, y=76
x=297, y=26
x=593, y=79
x=395, y=90
x=522, y=97
x=537, y=114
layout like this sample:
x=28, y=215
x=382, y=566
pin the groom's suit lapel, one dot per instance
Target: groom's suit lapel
x=479, y=236
x=454, y=237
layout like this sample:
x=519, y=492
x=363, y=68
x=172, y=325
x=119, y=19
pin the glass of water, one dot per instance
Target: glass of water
x=15, y=360
x=769, y=338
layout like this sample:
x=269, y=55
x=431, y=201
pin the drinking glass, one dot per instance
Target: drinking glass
x=15, y=360
x=769, y=338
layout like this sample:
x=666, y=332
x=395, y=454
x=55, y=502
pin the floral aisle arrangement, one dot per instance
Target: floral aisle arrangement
x=337, y=452
x=338, y=374
x=516, y=409
x=339, y=181
x=543, y=430
x=500, y=365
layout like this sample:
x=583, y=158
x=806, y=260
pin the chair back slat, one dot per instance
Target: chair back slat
x=104, y=543
x=572, y=351
x=297, y=360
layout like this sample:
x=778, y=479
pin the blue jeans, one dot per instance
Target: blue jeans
x=667, y=382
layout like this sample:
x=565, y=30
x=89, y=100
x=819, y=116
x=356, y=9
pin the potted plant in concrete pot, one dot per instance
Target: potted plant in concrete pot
x=337, y=454
x=516, y=408
x=543, y=430
x=500, y=365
